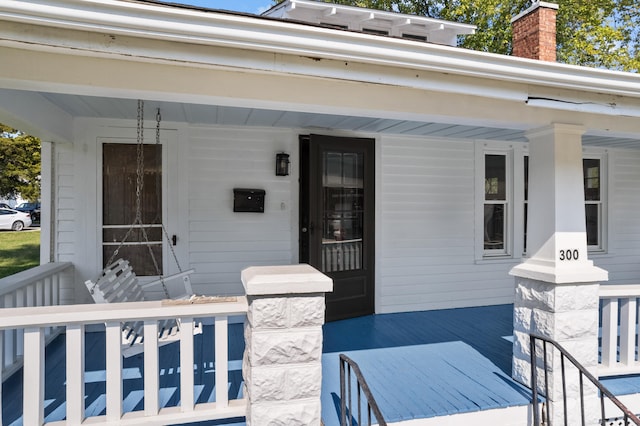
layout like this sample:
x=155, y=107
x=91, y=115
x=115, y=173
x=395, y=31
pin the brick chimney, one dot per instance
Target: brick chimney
x=534, y=32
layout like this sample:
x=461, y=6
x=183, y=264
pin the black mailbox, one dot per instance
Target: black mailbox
x=248, y=200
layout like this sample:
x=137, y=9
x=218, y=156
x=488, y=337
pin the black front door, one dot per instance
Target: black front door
x=337, y=219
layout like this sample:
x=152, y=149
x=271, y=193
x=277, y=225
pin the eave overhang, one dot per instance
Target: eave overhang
x=214, y=28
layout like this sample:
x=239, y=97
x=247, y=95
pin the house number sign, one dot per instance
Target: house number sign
x=566, y=255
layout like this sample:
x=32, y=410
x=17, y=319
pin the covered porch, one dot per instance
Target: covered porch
x=436, y=367
x=234, y=91
x=419, y=365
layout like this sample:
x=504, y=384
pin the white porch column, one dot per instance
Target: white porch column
x=557, y=286
x=282, y=366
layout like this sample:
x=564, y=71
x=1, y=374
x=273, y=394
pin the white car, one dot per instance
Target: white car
x=14, y=220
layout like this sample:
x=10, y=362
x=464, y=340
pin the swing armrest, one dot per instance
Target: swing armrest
x=187, y=283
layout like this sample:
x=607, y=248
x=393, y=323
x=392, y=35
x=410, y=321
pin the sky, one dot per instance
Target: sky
x=249, y=6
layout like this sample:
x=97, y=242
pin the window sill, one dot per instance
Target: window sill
x=507, y=258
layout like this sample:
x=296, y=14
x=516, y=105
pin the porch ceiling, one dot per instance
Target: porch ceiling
x=117, y=108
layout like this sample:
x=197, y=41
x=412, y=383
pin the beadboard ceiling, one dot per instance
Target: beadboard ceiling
x=102, y=107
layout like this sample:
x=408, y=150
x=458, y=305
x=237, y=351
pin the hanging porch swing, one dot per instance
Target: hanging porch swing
x=118, y=282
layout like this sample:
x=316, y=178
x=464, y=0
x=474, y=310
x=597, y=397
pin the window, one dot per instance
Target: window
x=591, y=171
x=502, y=192
x=495, y=204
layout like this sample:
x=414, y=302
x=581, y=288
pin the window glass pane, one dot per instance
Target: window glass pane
x=591, y=171
x=332, y=175
x=526, y=178
x=526, y=213
x=592, y=212
x=494, y=222
x=350, y=168
x=495, y=171
x=343, y=215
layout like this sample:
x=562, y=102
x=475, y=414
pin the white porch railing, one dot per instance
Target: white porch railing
x=619, y=330
x=74, y=319
x=44, y=285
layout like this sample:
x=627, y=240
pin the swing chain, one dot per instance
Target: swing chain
x=140, y=188
x=139, y=192
x=139, y=183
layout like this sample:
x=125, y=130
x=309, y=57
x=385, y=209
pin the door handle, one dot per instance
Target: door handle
x=174, y=240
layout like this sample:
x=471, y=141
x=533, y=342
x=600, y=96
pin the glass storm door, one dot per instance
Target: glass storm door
x=337, y=219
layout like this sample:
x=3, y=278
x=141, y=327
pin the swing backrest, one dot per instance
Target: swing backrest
x=117, y=283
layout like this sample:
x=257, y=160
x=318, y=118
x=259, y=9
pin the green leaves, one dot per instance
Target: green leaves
x=593, y=33
x=19, y=164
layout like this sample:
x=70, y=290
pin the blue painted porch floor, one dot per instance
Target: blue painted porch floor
x=426, y=364
x=133, y=374
x=418, y=365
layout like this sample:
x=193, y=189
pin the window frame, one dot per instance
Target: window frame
x=505, y=203
x=603, y=203
x=513, y=210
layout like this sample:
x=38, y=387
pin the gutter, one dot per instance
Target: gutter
x=217, y=28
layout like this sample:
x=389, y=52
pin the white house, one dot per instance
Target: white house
x=413, y=164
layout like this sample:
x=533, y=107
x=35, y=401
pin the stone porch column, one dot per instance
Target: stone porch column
x=557, y=286
x=282, y=366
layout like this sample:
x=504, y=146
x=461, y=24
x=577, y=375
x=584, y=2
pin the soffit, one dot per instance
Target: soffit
x=115, y=108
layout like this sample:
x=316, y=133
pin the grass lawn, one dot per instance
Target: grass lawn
x=18, y=251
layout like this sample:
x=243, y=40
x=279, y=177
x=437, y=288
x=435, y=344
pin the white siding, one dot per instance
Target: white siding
x=622, y=259
x=65, y=198
x=425, y=214
x=425, y=247
x=221, y=242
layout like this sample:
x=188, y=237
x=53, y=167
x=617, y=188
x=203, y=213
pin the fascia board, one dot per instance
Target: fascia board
x=254, y=33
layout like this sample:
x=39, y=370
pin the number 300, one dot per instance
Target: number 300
x=569, y=254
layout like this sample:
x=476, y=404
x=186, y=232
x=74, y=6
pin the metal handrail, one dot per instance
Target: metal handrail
x=627, y=415
x=346, y=412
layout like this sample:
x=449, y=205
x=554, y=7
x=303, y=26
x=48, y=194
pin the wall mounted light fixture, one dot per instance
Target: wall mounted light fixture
x=282, y=164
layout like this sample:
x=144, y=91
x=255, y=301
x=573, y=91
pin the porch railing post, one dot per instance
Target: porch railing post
x=33, y=395
x=282, y=361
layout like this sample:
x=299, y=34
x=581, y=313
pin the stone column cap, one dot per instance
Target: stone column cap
x=549, y=272
x=284, y=279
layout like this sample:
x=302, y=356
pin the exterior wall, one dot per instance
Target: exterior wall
x=65, y=198
x=425, y=243
x=59, y=234
x=221, y=242
x=622, y=258
x=204, y=164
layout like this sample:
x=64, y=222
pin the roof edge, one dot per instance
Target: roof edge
x=146, y=20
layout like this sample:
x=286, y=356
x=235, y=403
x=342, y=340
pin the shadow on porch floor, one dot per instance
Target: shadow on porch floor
x=418, y=365
x=133, y=376
x=426, y=364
